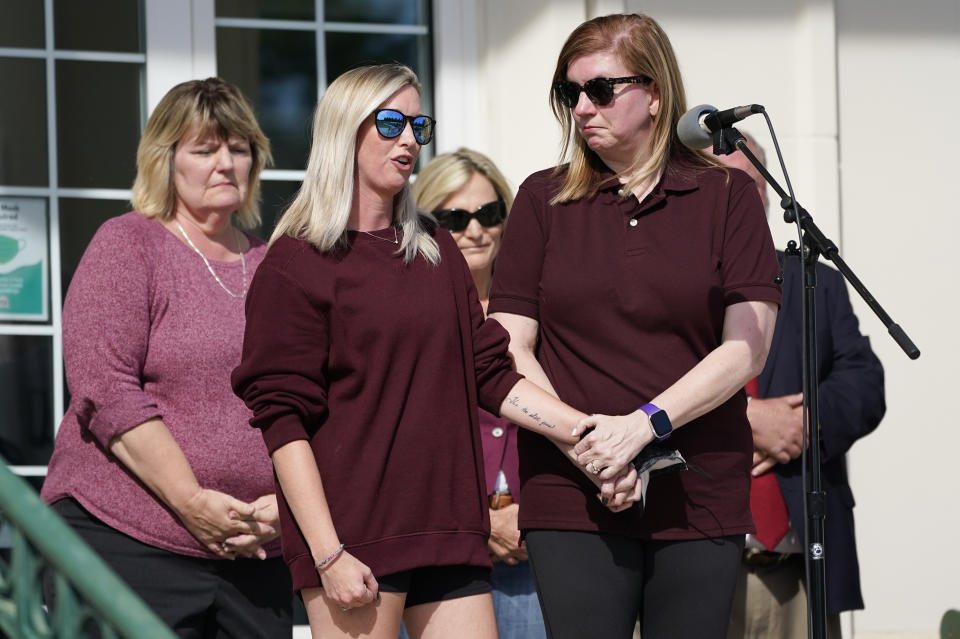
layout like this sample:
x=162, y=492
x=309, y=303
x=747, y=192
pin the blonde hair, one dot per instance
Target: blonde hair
x=446, y=174
x=219, y=110
x=644, y=49
x=321, y=209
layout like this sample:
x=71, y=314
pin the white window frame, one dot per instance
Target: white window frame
x=52, y=193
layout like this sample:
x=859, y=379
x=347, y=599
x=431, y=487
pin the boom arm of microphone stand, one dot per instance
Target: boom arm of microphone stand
x=813, y=238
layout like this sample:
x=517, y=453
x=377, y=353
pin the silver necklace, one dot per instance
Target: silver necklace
x=243, y=262
x=395, y=240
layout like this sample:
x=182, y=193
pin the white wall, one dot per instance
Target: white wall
x=843, y=80
x=493, y=79
x=899, y=66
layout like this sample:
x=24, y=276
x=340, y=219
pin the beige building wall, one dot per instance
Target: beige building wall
x=898, y=70
x=861, y=93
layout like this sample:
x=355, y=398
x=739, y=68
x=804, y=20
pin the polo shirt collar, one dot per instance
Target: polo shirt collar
x=675, y=178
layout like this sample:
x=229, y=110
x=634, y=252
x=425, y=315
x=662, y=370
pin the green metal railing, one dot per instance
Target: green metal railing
x=91, y=600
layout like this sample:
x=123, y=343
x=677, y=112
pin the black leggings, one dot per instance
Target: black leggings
x=597, y=585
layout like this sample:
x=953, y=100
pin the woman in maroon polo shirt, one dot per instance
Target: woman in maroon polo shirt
x=365, y=358
x=639, y=274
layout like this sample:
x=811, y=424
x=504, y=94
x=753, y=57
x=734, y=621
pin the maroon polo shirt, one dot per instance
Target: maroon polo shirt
x=630, y=296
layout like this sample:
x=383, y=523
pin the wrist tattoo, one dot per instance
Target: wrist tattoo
x=514, y=400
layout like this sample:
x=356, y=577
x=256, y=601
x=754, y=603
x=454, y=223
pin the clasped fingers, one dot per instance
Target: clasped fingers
x=615, y=441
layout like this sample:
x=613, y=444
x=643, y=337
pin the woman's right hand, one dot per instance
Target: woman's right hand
x=212, y=517
x=504, y=542
x=348, y=582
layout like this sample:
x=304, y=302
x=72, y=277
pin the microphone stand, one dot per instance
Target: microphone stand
x=815, y=244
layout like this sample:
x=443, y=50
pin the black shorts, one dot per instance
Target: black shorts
x=437, y=583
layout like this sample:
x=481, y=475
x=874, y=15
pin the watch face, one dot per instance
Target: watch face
x=661, y=423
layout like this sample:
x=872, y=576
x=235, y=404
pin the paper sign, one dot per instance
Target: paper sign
x=24, y=278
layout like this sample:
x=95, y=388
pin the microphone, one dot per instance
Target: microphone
x=697, y=125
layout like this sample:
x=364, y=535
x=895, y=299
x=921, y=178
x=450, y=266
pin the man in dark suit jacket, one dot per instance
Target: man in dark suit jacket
x=771, y=599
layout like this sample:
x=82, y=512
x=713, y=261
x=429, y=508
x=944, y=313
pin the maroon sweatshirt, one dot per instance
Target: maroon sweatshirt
x=380, y=366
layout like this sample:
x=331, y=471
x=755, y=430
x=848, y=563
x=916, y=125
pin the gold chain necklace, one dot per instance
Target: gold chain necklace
x=395, y=240
x=243, y=262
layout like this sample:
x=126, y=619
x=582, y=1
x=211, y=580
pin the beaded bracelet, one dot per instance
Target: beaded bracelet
x=336, y=553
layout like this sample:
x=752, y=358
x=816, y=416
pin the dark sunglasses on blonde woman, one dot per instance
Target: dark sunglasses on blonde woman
x=391, y=123
x=599, y=90
x=456, y=220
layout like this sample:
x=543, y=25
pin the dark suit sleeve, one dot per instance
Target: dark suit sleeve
x=851, y=389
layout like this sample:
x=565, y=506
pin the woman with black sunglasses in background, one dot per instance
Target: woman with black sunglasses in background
x=365, y=358
x=470, y=197
x=637, y=278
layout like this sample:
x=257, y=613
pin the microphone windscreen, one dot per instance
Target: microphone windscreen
x=689, y=130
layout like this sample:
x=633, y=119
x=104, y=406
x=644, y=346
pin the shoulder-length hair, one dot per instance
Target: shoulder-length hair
x=447, y=173
x=321, y=209
x=217, y=109
x=644, y=49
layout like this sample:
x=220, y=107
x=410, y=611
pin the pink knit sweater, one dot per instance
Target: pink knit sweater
x=147, y=332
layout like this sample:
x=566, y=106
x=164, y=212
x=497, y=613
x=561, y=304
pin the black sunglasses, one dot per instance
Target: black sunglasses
x=391, y=123
x=456, y=220
x=599, y=90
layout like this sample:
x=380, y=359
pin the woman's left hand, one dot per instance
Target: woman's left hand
x=613, y=444
x=265, y=525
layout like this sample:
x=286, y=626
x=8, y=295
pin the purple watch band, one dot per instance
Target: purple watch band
x=659, y=421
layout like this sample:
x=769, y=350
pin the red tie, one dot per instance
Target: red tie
x=766, y=500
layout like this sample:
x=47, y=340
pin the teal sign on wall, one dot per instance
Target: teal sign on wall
x=23, y=259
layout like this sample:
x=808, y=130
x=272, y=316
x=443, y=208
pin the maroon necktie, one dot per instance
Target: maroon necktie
x=766, y=501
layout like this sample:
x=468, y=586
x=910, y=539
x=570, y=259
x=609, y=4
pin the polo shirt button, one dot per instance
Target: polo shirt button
x=633, y=222
x=620, y=192
x=497, y=432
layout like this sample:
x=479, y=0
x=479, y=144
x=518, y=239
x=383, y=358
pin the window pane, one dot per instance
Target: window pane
x=377, y=11
x=347, y=50
x=23, y=122
x=22, y=24
x=79, y=220
x=98, y=123
x=277, y=71
x=26, y=399
x=272, y=9
x=276, y=196
x=97, y=25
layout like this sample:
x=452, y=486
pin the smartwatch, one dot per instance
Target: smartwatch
x=659, y=421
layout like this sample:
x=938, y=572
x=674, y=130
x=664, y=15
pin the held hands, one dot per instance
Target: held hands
x=777, y=425
x=622, y=491
x=504, y=543
x=212, y=517
x=265, y=527
x=347, y=581
x=613, y=444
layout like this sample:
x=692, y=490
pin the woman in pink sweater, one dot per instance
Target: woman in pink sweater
x=155, y=464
